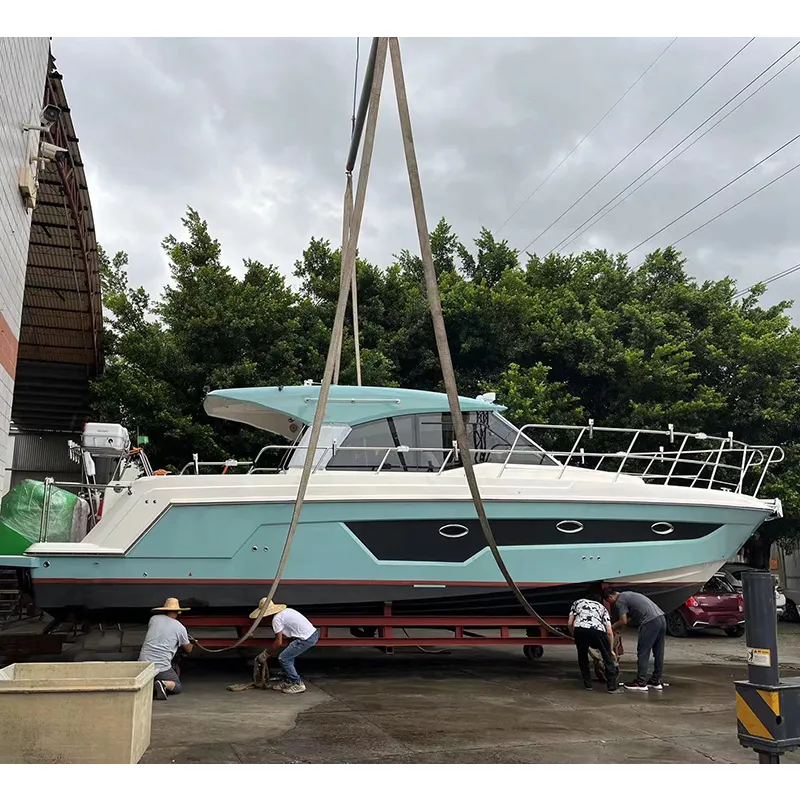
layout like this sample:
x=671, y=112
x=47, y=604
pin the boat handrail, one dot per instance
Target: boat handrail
x=231, y=462
x=696, y=460
x=712, y=458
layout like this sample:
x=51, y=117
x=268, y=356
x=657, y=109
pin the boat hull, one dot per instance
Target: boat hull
x=131, y=600
x=426, y=558
x=410, y=540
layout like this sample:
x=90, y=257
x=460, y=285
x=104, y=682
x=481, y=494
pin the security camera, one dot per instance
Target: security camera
x=47, y=116
x=51, y=152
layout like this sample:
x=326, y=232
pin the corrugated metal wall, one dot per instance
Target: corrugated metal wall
x=40, y=456
x=23, y=68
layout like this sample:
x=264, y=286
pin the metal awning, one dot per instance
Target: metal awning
x=60, y=341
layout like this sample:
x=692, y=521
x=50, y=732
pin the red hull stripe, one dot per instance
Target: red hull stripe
x=261, y=581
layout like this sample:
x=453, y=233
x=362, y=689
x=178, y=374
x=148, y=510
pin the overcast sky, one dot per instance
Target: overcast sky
x=253, y=133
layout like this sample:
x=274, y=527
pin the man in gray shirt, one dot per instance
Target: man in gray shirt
x=652, y=633
x=164, y=636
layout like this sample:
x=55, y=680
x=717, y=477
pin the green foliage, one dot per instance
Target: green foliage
x=561, y=339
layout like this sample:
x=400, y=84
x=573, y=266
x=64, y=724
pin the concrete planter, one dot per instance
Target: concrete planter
x=91, y=712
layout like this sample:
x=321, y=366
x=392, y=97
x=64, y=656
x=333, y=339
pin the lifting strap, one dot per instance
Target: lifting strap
x=442, y=346
x=348, y=266
x=350, y=235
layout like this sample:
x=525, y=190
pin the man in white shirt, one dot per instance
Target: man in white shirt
x=164, y=636
x=290, y=625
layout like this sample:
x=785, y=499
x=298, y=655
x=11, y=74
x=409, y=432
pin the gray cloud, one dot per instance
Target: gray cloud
x=254, y=132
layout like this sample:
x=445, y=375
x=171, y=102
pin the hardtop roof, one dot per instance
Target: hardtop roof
x=284, y=409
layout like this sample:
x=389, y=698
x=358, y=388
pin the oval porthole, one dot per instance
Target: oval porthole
x=569, y=526
x=662, y=528
x=453, y=531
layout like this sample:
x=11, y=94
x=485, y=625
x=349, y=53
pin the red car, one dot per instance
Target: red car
x=717, y=605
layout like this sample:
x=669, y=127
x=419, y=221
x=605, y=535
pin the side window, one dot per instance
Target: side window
x=423, y=433
x=430, y=437
x=372, y=439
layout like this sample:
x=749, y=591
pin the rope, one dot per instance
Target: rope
x=348, y=265
x=432, y=286
x=260, y=675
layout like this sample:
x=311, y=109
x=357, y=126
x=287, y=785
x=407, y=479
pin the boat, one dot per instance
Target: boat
x=388, y=517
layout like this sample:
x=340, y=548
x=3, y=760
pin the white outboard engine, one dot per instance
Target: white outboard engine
x=106, y=439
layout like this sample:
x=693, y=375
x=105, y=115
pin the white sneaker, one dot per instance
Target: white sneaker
x=294, y=688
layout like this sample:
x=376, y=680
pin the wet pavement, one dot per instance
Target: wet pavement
x=471, y=706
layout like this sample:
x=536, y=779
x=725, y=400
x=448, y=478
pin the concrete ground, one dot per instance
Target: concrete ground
x=471, y=706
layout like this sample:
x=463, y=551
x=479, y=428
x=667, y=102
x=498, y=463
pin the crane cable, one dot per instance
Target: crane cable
x=437, y=316
x=348, y=264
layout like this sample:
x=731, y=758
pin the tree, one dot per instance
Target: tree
x=561, y=339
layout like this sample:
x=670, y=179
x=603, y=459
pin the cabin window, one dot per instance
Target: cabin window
x=430, y=437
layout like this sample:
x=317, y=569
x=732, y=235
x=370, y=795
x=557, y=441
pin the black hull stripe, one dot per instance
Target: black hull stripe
x=457, y=540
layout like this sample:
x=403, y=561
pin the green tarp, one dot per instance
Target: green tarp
x=21, y=517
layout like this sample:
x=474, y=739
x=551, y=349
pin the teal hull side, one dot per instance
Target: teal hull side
x=245, y=541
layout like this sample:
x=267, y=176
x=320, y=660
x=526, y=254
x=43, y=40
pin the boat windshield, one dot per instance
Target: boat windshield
x=429, y=438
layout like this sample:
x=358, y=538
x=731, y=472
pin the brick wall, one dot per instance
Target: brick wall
x=23, y=70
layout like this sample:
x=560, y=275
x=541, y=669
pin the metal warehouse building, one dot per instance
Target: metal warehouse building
x=50, y=301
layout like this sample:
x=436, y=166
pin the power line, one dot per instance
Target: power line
x=584, y=226
x=783, y=274
x=721, y=189
x=735, y=205
x=586, y=136
x=631, y=152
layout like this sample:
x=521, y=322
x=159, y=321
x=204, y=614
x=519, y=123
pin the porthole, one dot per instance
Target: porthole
x=569, y=526
x=453, y=531
x=662, y=528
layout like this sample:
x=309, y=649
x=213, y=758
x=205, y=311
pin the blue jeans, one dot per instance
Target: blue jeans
x=290, y=653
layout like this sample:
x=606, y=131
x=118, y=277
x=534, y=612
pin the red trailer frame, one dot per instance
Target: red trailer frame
x=382, y=631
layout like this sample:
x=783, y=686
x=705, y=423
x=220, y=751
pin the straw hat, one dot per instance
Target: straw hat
x=272, y=608
x=171, y=604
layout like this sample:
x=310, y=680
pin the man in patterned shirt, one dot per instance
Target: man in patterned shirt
x=590, y=625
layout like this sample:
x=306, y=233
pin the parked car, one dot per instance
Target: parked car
x=732, y=572
x=716, y=606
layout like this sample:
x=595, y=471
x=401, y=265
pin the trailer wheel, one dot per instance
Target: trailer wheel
x=532, y=651
x=791, y=614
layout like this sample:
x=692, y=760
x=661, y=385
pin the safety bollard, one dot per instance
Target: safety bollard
x=767, y=709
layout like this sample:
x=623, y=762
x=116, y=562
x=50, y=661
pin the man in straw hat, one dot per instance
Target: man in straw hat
x=302, y=635
x=164, y=636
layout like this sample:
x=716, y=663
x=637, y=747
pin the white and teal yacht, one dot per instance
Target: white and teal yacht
x=388, y=515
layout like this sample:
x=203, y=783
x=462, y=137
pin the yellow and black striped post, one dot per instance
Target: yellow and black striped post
x=768, y=719
x=767, y=709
